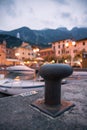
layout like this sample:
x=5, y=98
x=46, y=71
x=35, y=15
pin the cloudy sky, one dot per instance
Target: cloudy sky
x=40, y=14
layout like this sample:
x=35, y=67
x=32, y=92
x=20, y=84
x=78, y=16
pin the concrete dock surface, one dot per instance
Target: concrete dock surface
x=16, y=112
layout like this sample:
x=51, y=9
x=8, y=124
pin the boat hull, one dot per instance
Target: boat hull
x=12, y=87
x=17, y=91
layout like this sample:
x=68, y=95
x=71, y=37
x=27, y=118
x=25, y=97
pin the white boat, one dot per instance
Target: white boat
x=20, y=80
x=21, y=68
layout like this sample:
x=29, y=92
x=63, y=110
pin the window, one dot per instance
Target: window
x=63, y=45
x=67, y=52
x=58, y=52
x=74, y=51
x=83, y=43
x=23, y=58
x=58, y=46
x=63, y=51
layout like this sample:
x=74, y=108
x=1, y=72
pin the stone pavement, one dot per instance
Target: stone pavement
x=16, y=112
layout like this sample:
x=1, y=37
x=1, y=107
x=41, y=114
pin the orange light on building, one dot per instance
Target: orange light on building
x=36, y=50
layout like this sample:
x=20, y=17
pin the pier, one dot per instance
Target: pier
x=17, y=113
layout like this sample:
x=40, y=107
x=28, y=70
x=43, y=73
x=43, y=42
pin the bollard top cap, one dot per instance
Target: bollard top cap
x=55, y=71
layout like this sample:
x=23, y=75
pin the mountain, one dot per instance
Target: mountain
x=79, y=33
x=43, y=37
x=51, y=35
x=1, y=31
x=10, y=40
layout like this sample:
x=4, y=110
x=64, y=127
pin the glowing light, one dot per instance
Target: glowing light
x=52, y=61
x=65, y=61
x=36, y=50
x=17, y=54
x=67, y=44
x=73, y=43
x=28, y=62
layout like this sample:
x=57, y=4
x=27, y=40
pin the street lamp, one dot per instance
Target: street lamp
x=70, y=44
x=36, y=50
x=17, y=55
x=73, y=43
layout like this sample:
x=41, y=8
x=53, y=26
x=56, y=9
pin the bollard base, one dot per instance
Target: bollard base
x=53, y=111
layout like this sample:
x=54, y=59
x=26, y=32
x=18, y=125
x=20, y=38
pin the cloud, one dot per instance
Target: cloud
x=65, y=15
x=6, y=2
x=37, y=14
x=61, y=1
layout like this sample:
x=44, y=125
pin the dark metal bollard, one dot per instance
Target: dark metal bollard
x=53, y=74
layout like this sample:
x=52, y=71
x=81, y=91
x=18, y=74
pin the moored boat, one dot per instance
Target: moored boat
x=20, y=79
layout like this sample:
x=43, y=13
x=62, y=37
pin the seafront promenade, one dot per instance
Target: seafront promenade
x=16, y=112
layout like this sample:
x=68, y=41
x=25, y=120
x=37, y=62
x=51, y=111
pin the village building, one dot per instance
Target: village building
x=23, y=52
x=46, y=52
x=2, y=53
x=69, y=49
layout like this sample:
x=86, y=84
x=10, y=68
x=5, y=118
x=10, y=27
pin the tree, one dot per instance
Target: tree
x=78, y=55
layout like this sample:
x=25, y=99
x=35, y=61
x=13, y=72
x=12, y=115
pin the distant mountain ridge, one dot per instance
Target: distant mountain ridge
x=41, y=37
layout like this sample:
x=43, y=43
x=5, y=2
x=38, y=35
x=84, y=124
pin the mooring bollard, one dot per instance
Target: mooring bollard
x=52, y=104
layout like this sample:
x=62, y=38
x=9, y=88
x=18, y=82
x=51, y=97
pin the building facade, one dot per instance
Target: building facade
x=2, y=53
x=68, y=49
x=46, y=52
x=23, y=52
x=10, y=53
